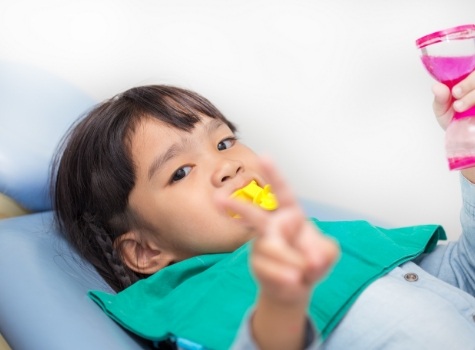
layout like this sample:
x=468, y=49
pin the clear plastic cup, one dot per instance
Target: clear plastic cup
x=449, y=57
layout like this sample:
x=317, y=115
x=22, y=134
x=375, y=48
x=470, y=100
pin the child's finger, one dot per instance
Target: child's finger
x=442, y=104
x=285, y=196
x=319, y=252
x=288, y=223
x=275, y=274
x=248, y=214
x=275, y=250
x=465, y=102
x=464, y=87
x=442, y=99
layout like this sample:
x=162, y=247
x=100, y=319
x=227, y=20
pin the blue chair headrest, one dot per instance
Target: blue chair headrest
x=36, y=110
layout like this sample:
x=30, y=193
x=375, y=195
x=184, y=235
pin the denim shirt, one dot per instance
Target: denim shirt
x=427, y=303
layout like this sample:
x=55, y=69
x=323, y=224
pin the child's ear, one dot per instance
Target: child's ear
x=141, y=255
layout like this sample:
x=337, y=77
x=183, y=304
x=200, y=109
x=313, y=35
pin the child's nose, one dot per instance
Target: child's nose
x=226, y=169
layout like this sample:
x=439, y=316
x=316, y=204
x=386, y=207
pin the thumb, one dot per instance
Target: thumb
x=442, y=104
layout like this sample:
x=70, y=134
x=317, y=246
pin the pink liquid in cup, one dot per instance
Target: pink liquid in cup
x=450, y=71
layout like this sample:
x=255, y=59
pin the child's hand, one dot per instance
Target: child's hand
x=459, y=99
x=289, y=256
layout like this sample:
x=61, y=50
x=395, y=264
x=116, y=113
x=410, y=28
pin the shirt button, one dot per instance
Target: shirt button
x=411, y=277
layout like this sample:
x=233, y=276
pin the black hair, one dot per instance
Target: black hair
x=93, y=171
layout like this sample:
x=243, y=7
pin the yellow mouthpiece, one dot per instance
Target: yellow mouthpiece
x=253, y=193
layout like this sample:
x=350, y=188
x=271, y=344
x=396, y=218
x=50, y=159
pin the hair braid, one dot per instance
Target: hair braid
x=105, y=243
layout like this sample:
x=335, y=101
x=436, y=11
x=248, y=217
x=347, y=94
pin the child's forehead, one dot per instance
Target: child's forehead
x=153, y=128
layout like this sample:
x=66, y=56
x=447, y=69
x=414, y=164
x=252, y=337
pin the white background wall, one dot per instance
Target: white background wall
x=332, y=89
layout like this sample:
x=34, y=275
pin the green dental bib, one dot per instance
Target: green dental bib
x=204, y=299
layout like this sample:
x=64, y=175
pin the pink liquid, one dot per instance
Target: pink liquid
x=450, y=71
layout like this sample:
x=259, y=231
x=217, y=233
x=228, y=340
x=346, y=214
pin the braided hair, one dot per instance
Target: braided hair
x=106, y=245
x=93, y=172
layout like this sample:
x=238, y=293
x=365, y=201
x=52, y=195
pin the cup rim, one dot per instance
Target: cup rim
x=466, y=31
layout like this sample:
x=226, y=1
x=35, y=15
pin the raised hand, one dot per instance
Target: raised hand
x=289, y=256
x=461, y=98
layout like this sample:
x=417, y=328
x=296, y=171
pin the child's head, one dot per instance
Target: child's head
x=137, y=177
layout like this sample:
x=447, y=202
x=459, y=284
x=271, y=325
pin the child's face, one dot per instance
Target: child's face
x=179, y=174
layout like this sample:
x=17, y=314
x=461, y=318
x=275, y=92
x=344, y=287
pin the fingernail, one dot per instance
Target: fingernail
x=458, y=105
x=457, y=91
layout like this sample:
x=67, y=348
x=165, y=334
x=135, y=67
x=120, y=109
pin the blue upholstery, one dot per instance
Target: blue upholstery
x=43, y=302
x=36, y=109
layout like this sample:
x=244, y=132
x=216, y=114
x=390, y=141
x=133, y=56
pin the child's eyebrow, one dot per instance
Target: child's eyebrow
x=213, y=125
x=163, y=158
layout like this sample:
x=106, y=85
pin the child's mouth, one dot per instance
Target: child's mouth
x=253, y=193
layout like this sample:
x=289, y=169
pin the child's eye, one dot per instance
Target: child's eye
x=226, y=143
x=180, y=173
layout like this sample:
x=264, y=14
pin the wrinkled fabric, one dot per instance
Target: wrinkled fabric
x=205, y=299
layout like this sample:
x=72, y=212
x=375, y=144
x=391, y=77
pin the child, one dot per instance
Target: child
x=143, y=186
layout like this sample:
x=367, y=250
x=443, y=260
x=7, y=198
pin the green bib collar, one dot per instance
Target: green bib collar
x=204, y=299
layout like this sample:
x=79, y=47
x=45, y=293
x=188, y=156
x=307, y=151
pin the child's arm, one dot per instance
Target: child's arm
x=289, y=256
x=460, y=99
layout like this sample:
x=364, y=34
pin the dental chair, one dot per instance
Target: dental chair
x=43, y=302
